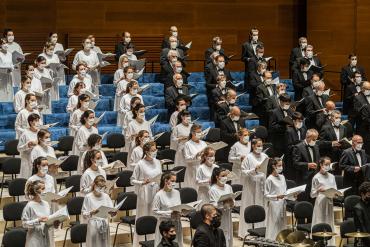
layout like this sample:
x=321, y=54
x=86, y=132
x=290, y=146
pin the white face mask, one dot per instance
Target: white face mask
x=315, y=84
x=146, y=140
x=187, y=120
x=221, y=65
x=125, y=65
x=326, y=168
x=44, y=170
x=92, y=44
x=91, y=122
x=141, y=115
x=173, y=45
x=10, y=39
x=27, y=86
x=309, y=54
x=268, y=81
x=30, y=73
x=286, y=107
x=303, y=45
x=178, y=69
x=179, y=83
x=49, y=53
x=37, y=125
x=222, y=84
x=319, y=93
x=198, y=135
x=47, y=142
x=127, y=40
x=182, y=107
x=129, y=53
x=42, y=66
x=312, y=143
x=211, y=160
x=153, y=155
x=279, y=169
x=298, y=125
x=33, y=104
x=358, y=80
x=367, y=92
x=100, y=190
x=174, y=60
x=99, y=162
x=54, y=40
x=259, y=150
x=281, y=92
x=218, y=47
x=97, y=147
x=255, y=38
x=353, y=63
x=130, y=76
x=358, y=147
x=134, y=91
x=260, y=55
x=174, y=33
x=83, y=73
x=223, y=180
x=235, y=118
x=87, y=46
x=85, y=105
x=232, y=101
x=246, y=139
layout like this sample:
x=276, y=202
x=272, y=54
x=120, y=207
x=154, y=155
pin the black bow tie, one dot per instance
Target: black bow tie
x=254, y=42
x=310, y=146
x=336, y=127
x=357, y=152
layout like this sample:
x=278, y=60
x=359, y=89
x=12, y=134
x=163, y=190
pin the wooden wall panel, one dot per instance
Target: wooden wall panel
x=279, y=21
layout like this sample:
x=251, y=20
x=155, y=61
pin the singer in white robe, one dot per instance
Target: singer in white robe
x=323, y=211
x=238, y=152
x=179, y=137
x=16, y=74
x=78, y=78
x=120, y=92
x=74, y=121
x=135, y=157
x=80, y=141
x=98, y=233
x=132, y=130
x=91, y=59
x=87, y=178
x=192, y=161
x=54, y=59
x=19, y=99
x=145, y=169
x=203, y=179
x=42, y=151
x=61, y=74
x=38, y=89
x=25, y=152
x=215, y=193
x=7, y=71
x=253, y=188
x=276, y=208
x=80, y=167
x=72, y=103
x=125, y=106
x=163, y=200
x=38, y=234
x=21, y=122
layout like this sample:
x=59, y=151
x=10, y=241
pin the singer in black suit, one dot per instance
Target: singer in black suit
x=297, y=52
x=213, y=70
x=231, y=125
x=171, y=93
x=347, y=71
x=301, y=78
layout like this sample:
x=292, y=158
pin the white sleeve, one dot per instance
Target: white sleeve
x=156, y=207
x=233, y=156
x=136, y=176
x=246, y=167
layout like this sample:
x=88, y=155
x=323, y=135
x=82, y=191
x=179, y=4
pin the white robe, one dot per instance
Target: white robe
x=323, y=211
x=87, y=179
x=179, y=130
x=81, y=160
x=54, y=93
x=25, y=152
x=128, y=116
x=133, y=129
x=39, y=151
x=173, y=119
x=60, y=74
x=237, y=150
x=276, y=208
x=191, y=149
x=118, y=74
x=135, y=157
x=98, y=234
x=162, y=202
x=80, y=141
x=16, y=74
x=215, y=193
x=6, y=91
x=145, y=192
x=120, y=92
x=74, y=121
x=37, y=87
x=72, y=103
x=86, y=80
x=124, y=107
x=38, y=234
x=19, y=100
x=50, y=186
x=203, y=178
x=92, y=60
x=21, y=122
x=253, y=189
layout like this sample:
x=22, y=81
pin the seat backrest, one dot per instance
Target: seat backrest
x=74, y=181
x=214, y=135
x=227, y=166
x=70, y=164
x=10, y=147
x=13, y=211
x=145, y=225
x=17, y=187
x=164, y=140
x=180, y=173
x=349, y=203
x=261, y=132
x=290, y=183
x=321, y=227
x=11, y=165
x=15, y=238
x=347, y=226
x=122, y=156
x=130, y=200
x=124, y=178
x=78, y=233
x=236, y=188
x=65, y=143
x=115, y=140
x=188, y=195
x=166, y=154
x=195, y=219
x=74, y=205
x=303, y=212
x=254, y=214
x=339, y=181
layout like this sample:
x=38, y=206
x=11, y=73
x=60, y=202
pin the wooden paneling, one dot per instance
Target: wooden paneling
x=198, y=20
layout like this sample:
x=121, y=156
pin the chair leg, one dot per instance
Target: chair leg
x=65, y=237
x=6, y=222
x=115, y=235
x=2, y=187
x=132, y=237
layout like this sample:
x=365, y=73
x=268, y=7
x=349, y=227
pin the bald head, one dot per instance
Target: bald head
x=366, y=85
x=330, y=105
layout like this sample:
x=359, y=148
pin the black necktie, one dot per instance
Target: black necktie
x=309, y=154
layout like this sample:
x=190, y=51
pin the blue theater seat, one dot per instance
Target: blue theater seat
x=107, y=90
x=197, y=87
x=160, y=127
x=199, y=112
x=63, y=91
x=206, y=124
x=6, y=108
x=247, y=108
x=106, y=79
x=289, y=84
x=252, y=123
x=61, y=118
x=162, y=114
x=152, y=100
x=196, y=77
x=57, y=132
x=59, y=106
x=291, y=94
x=110, y=118
x=155, y=89
x=243, y=100
x=200, y=101
x=7, y=121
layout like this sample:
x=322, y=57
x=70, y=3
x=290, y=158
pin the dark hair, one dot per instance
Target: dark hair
x=40, y=59
x=136, y=109
x=52, y=33
x=215, y=173
x=32, y=117
x=99, y=178
x=132, y=101
x=284, y=97
x=255, y=141
x=304, y=61
x=130, y=46
x=82, y=97
x=182, y=114
x=364, y=188
x=272, y=162
x=206, y=209
x=37, y=162
x=166, y=226
x=42, y=133
x=259, y=47
x=93, y=139
x=125, y=70
x=352, y=55
x=166, y=176
x=77, y=85
x=28, y=97
x=297, y=115
x=6, y=31
x=147, y=146
x=130, y=85
x=140, y=135
x=24, y=80
x=322, y=161
x=206, y=151
x=89, y=156
x=193, y=128
x=79, y=65
x=84, y=115
x=315, y=74
x=178, y=99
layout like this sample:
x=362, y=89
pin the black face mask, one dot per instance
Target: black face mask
x=171, y=237
x=216, y=222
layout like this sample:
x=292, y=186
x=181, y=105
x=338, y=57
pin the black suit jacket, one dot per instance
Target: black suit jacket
x=217, y=95
x=301, y=158
x=295, y=54
x=211, y=72
x=228, y=131
x=206, y=236
x=350, y=92
x=120, y=49
x=277, y=129
x=347, y=72
x=255, y=79
x=164, y=53
x=171, y=93
x=307, y=91
x=209, y=51
x=299, y=82
x=248, y=52
x=166, y=43
x=347, y=162
x=222, y=109
x=362, y=219
x=272, y=103
x=292, y=137
x=259, y=103
x=326, y=137
x=312, y=107
x=253, y=64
